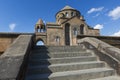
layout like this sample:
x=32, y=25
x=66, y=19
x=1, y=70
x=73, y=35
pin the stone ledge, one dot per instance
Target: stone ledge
x=110, y=54
x=102, y=46
x=9, y=34
x=12, y=59
x=112, y=40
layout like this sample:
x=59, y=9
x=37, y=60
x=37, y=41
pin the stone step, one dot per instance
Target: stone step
x=108, y=78
x=37, y=61
x=74, y=75
x=59, y=55
x=64, y=67
x=57, y=47
x=57, y=50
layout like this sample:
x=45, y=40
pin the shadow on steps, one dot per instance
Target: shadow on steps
x=38, y=60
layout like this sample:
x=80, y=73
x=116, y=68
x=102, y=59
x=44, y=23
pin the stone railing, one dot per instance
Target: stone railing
x=12, y=62
x=6, y=39
x=105, y=51
x=112, y=40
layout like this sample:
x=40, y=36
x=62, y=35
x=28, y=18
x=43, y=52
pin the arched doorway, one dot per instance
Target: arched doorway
x=40, y=43
x=67, y=34
x=82, y=29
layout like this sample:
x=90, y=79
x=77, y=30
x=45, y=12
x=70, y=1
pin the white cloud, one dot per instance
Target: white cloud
x=97, y=15
x=12, y=26
x=95, y=10
x=98, y=26
x=116, y=33
x=115, y=13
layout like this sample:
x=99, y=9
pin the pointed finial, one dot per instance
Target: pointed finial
x=40, y=21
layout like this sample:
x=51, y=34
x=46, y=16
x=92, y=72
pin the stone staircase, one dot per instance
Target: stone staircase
x=66, y=63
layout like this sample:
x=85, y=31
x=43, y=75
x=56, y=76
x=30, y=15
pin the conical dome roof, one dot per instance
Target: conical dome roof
x=40, y=21
x=67, y=7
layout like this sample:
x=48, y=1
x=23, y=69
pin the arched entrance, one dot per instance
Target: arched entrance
x=82, y=29
x=67, y=34
x=40, y=42
x=40, y=39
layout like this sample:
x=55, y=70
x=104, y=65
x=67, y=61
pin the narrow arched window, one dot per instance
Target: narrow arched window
x=82, y=29
x=57, y=39
x=72, y=14
x=42, y=29
x=66, y=14
x=37, y=29
x=75, y=31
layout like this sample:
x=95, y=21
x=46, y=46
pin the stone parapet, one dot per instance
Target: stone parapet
x=6, y=39
x=9, y=34
x=105, y=51
x=112, y=40
x=13, y=60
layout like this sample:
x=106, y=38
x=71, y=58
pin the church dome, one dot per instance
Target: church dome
x=67, y=7
x=67, y=12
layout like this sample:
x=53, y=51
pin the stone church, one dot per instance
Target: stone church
x=69, y=23
x=73, y=51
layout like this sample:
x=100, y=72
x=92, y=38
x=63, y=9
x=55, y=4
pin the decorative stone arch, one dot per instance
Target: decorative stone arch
x=40, y=39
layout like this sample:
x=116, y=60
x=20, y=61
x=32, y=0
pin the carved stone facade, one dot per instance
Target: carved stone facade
x=69, y=23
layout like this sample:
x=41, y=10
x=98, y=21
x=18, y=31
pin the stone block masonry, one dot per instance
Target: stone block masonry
x=105, y=51
x=11, y=61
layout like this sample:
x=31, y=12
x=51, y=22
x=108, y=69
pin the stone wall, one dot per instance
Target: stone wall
x=6, y=39
x=40, y=37
x=5, y=43
x=52, y=33
x=94, y=32
x=13, y=61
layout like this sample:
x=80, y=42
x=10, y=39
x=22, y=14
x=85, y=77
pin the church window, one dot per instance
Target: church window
x=75, y=31
x=72, y=14
x=66, y=14
x=81, y=29
x=37, y=29
x=57, y=39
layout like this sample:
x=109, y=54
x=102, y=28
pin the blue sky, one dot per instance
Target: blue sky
x=21, y=15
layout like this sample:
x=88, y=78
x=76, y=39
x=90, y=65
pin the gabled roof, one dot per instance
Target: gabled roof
x=40, y=21
x=67, y=7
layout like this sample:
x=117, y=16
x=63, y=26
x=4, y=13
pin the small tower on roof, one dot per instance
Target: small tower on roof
x=40, y=26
